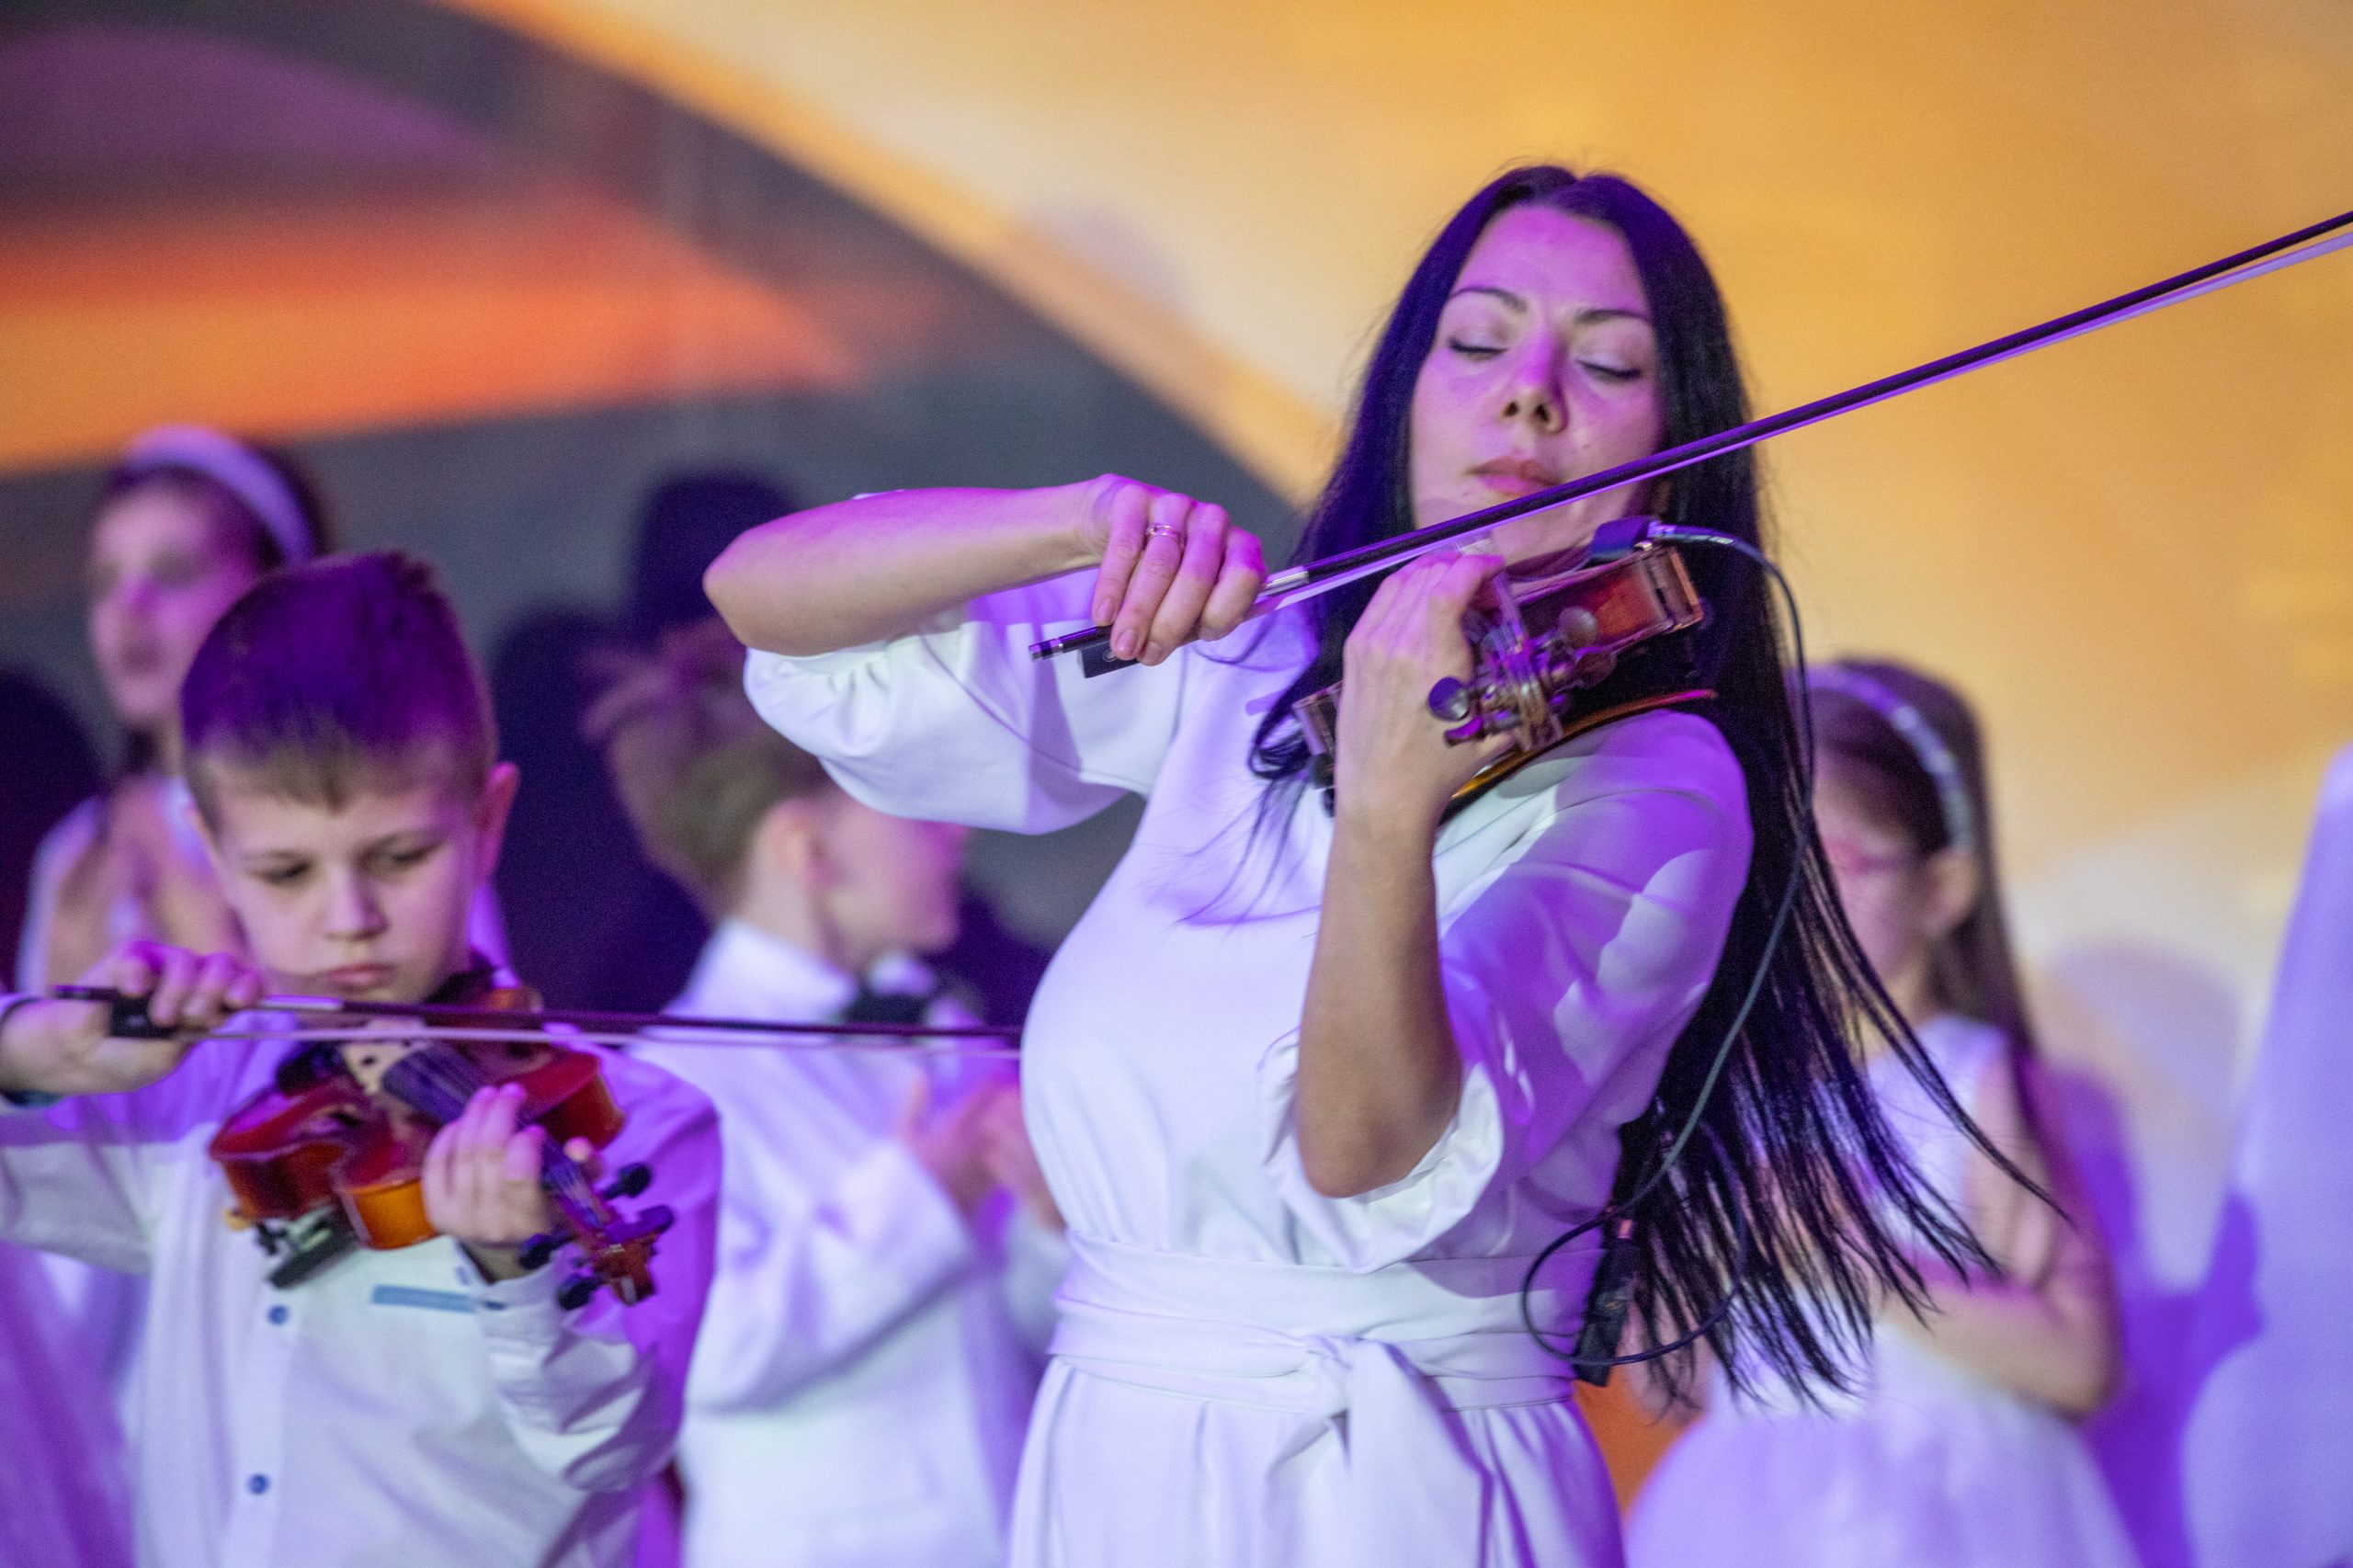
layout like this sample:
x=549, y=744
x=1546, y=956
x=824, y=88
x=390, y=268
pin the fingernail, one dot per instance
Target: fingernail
x=1153, y=652
x=1124, y=644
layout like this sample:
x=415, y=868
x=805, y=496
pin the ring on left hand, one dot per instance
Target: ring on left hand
x=1164, y=530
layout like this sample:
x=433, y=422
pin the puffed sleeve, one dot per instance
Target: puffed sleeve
x=959, y=723
x=1572, y=960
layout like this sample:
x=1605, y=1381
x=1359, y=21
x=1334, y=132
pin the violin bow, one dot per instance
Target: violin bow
x=441, y=1020
x=1306, y=580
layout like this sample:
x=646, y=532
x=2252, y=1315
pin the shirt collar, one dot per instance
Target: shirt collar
x=744, y=970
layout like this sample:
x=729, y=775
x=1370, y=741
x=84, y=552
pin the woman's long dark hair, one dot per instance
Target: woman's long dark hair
x=1780, y=1221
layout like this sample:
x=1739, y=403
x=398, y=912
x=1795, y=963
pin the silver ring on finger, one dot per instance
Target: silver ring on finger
x=1164, y=530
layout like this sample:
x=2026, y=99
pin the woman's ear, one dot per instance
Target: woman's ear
x=1952, y=887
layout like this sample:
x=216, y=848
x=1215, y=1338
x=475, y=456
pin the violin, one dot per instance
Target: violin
x=1559, y=652
x=331, y=1154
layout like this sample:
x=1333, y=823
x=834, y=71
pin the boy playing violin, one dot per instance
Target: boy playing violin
x=427, y=1405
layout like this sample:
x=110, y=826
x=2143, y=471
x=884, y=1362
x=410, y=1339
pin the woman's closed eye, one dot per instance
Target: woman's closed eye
x=1471, y=349
x=282, y=873
x=1606, y=371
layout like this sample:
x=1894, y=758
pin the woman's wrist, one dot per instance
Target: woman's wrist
x=1386, y=824
x=1080, y=531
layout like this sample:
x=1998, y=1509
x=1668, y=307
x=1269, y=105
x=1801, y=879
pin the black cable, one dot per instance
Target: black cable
x=1740, y=1020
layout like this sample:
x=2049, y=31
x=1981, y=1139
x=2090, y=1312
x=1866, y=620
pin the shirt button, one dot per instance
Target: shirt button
x=256, y=1484
x=277, y=1313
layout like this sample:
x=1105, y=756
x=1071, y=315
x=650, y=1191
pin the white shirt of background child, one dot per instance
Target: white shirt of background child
x=866, y=1368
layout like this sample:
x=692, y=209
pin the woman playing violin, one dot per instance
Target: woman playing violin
x=1313, y=1088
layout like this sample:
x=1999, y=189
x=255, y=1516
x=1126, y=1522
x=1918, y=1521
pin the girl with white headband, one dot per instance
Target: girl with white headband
x=1955, y=1449
x=187, y=520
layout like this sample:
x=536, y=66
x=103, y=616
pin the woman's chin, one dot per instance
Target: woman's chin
x=1531, y=538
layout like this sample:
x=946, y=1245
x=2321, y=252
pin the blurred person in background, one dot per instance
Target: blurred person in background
x=887, y=1248
x=61, y=1498
x=50, y=768
x=1955, y=1448
x=189, y=519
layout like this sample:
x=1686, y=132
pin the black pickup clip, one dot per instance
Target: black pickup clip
x=1608, y=1305
x=1617, y=538
x=1096, y=659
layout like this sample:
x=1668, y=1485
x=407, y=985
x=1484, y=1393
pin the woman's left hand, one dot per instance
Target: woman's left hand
x=1394, y=766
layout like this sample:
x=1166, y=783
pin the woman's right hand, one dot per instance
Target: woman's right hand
x=1174, y=570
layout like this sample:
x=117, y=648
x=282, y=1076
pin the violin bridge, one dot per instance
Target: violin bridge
x=369, y=1060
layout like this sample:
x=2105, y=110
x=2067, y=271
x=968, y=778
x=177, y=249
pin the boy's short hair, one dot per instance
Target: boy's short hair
x=696, y=768
x=329, y=677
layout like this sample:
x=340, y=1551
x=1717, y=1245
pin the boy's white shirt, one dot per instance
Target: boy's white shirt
x=863, y=1381
x=395, y=1409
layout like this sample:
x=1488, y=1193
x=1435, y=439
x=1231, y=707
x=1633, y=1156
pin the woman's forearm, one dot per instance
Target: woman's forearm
x=860, y=571
x=1379, y=1072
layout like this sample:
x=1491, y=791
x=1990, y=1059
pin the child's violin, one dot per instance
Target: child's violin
x=332, y=1153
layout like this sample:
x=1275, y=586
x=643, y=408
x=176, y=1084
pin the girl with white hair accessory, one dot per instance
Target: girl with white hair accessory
x=189, y=520
x=1953, y=1450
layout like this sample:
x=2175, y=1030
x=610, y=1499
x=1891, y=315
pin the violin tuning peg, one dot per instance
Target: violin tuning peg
x=629, y=1181
x=576, y=1292
x=536, y=1252
x=1450, y=699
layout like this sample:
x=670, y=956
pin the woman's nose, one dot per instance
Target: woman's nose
x=1534, y=395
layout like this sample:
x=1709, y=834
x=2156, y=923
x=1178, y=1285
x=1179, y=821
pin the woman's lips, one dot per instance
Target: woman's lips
x=1513, y=477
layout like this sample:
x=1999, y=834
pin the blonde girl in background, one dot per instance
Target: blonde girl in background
x=887, y=1249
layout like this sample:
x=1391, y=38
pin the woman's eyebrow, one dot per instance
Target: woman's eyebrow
x=1585, y=317
x=1505, y=295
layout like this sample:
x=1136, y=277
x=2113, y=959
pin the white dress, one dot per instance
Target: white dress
x=863, y=1376
x=1247, y=1373
x=1926, y=1464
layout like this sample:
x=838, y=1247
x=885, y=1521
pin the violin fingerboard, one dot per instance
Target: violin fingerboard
x=436, y=1080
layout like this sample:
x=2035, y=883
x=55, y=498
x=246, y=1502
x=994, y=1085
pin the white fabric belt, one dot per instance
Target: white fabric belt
x=1395, y=1352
